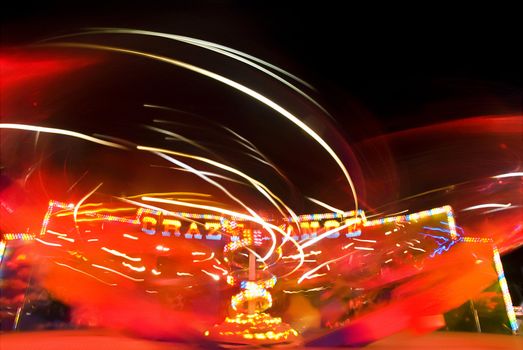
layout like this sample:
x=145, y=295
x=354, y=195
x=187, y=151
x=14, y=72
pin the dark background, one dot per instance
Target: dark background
x=392, y=66
x=404, y=65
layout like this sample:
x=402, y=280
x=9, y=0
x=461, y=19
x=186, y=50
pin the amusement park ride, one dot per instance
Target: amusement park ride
x=107, y=242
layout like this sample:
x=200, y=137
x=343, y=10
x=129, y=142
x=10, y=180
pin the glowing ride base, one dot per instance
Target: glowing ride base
x=255, y=328
x=252, y=325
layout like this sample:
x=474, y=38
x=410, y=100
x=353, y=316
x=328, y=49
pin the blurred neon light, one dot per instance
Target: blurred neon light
x=420, y=215
x=18, y=236
x=504, y=288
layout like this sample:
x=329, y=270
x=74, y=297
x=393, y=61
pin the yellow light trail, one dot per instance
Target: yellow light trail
x=258, y=185
x=206, y=259
x=47, y=243
x=224, y=190
x=77, y=207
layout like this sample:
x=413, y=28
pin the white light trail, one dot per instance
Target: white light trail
x=117, y=253
x=60, y=132
x=212, y=275
x=516, y=174
x=242, y=88
x=487, y=205
x=118, y=273
x=48, y=243
x=85, y=273
x=206, y=259
x=134, y=268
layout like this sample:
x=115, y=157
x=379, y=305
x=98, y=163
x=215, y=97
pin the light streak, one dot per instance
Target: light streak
x=298, y=256
x=223, y=189
x=126, y=235
x=134, y=268
x=258, y=185
x=310, y=272
x=118, y=273
x=151, y=291
x=317, y=289
x=506, y=294
x=226, y=51
x=224, y=272
x=184, y=274
x=85, y=273
x=48, y=243
x=206, y=259
x=75, y=211
x=95, y=211
x=65, y=238
x=363, y=248
x=323, y=235
x=325, y=205
x=347, y=246
x=56, y=233
x=93, y=240
x=117, y=253
x=156, y=273
x=516, y=174
x=212, y=275
x=501, y=209
x=420, y=249
x=487, y=205
x=388, y=261
x=316, y=275
x=60, y=132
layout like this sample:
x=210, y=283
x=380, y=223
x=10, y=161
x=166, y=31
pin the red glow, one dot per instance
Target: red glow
x=15, y=70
